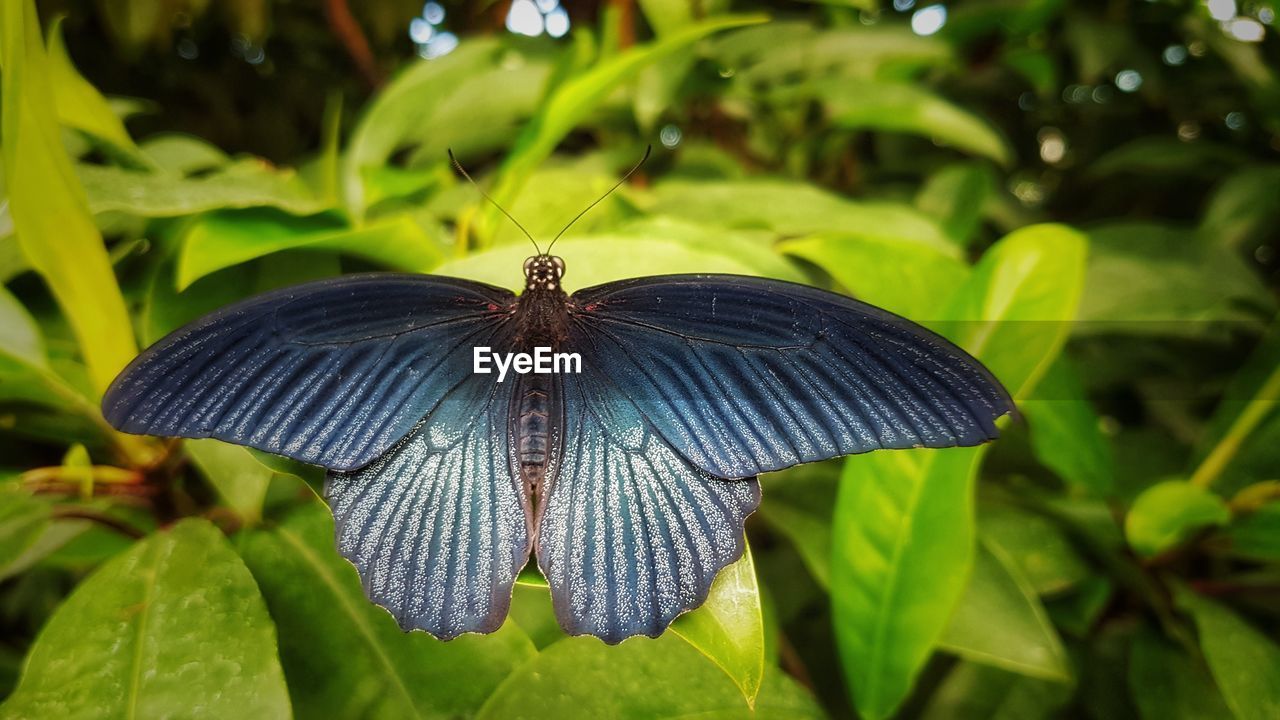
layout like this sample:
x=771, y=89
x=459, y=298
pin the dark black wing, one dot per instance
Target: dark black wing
x=332, y=372
x=630, y=534
x=745, y=375
x=440, y=526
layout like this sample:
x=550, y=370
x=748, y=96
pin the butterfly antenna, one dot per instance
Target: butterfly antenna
x=648, y=149
x=458, y=166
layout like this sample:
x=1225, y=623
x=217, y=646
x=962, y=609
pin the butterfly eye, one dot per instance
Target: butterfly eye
x=528, y=263
x=559, y=265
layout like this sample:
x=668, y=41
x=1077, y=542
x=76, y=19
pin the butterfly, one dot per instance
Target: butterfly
x=630, y=480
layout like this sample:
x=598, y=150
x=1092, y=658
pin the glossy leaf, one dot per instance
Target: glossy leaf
x=799, y=507
x=904, y=520
x=237, y=475
x=641, y=678
x=1066, y=432
x=1244, y=661
x=246, y=184
x=572, y=100
x=480, y=95
x=905, y=107
x=1151, y=279
x=22, y=520
x=1243, y=209
x=346, y=657
x=904, y=277
x=1035, y=545
x=729, y=627
x=789, y=208
x=592, y=260
x=175, y=622
x=1167, y=513
x=954, y=197
x=50, y=214
x=223, y=239
x=1001, y=622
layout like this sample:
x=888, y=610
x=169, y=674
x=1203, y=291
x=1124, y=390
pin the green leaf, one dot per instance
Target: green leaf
x=1159, y=157
x=223, y=239
x=1000, y=621
x=904, y=519
x=799, y=508
x=23, y=519
x=790, y=208
x=175, y=622
x=1167, y=513
x=1167, y=684
x=906, y=107
x=980, y=692
x=236, y=474
x=79, y=104
x=1020, y=300
x=903, y=548
x=1243, y=210
x=25, y=371
x=1256, y=535
x=1244, y=662
x=50, y=213
x=183, y=154
x=472, y=100
x=780, y=52
x=1150, y=279
x=555, y=194
x=954, y=197
x=641, y=678
x=1066, y=432
x=346, y=657
x=244, y=184
x=575, y=98
x=1035, y=545
x=909, y=278
x=594, y=260
x=729, y=627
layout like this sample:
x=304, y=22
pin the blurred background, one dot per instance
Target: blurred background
x=1083, y=195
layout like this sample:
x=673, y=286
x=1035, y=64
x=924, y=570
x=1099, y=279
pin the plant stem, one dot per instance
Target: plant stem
x=1245, y=423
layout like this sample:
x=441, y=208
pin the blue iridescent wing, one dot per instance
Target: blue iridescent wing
x=440, y=526
x=745, y=375
x=332, y=372
x=630, y=534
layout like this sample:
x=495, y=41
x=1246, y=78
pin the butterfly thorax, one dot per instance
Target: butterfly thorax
x=542, y=318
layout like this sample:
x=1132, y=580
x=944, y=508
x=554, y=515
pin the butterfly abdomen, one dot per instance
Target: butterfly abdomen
x=532, y=426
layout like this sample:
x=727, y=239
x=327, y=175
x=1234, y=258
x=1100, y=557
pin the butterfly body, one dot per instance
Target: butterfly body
x=628, y=479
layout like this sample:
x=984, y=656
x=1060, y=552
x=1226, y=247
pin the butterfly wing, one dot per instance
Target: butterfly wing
x=630, y=534
x=745, y=375
x=440, y=526
x=332, y=372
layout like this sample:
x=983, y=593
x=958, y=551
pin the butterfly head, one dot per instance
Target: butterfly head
x=543, y=272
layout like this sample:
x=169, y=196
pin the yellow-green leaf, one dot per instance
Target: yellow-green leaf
x=729, y=627
x=50, y=213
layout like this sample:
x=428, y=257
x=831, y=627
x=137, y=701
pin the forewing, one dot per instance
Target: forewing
x=440, y=526
x=630, y=534
x=746, y=375
x=332, y=372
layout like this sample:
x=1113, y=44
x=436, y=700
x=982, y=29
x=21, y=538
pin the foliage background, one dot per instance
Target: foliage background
x=1083, y=195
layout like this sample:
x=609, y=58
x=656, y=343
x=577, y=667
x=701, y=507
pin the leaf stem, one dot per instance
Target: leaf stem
x=1245, y=423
